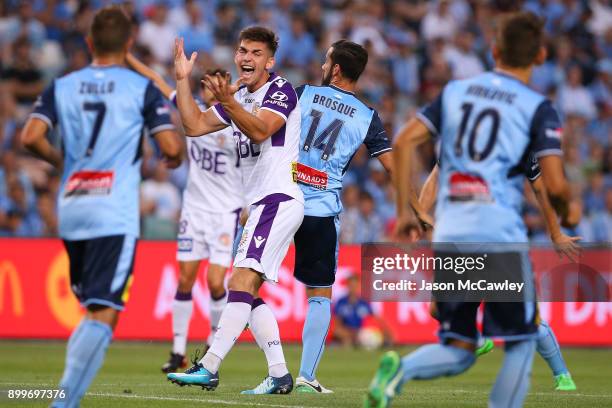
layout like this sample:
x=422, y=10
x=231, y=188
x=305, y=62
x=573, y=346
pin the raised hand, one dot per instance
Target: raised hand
x=182, y=65
x=221, y=87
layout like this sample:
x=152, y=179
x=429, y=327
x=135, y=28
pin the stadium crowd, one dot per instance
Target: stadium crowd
x=415, y=47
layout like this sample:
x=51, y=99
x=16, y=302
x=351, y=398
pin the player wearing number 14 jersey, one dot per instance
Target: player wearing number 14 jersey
x=101, y=112
x=335, y=123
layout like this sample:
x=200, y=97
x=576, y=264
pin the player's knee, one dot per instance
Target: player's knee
x=103, y=314
x=186, y=282
x=244, y=280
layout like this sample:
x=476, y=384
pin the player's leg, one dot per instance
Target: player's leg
x=262, y=322
x=548, y=347
x=243, y=286
x=453, y=356
x=512, y=383
x=191, y=249
x=264, y=244
x=95, y=266
x=220, y=233
x=182, y=309
x=316, y=243
x=215, y=278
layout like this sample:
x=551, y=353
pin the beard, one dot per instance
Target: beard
x=326, y=80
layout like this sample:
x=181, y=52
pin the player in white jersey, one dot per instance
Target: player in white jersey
x=212, y=201
x=266, y=111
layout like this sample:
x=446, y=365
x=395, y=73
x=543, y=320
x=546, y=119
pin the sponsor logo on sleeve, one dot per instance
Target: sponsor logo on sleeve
x=554, y=133
x=280, y=82
x=279, y=96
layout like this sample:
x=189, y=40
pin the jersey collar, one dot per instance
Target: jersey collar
x=341, y=90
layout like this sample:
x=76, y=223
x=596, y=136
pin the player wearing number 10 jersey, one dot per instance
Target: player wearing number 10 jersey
x=487, y=126
x=101, y=112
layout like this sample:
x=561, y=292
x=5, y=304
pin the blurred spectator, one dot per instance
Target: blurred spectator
x=157, y=34
x=574, y=98
x=22, y=219
x=160, y=198
x=415, y=47
x=297, y=48
x=197, y=34
x=463, y=61
x=22, y=77
x=602, y=220
x=439, y=22
x=350, y=214
x=370, y=225
x=23, y=24
x=350, y=313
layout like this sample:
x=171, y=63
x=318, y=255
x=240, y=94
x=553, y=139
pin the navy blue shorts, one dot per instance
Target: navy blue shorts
x=514, y=320
x=100, y=269
x=316, y=251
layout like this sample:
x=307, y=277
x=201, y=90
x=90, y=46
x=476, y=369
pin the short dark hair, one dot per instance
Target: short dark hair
x=260, y=34
x=519, y=38
x=110, y=31
x=351, y=57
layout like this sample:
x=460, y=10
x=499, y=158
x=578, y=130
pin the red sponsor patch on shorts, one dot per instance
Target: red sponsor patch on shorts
x=468, y=187
x=309, y=176
x=89, y=182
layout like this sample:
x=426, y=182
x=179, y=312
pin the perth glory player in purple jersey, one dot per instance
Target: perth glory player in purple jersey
x=265, y=116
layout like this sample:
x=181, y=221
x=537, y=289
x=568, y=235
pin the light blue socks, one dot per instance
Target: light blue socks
x=314, y=334
x=84, y=357
x=512, y=383
x=548, y=347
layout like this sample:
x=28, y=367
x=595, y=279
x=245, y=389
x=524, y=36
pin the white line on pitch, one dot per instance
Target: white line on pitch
x=213, y=401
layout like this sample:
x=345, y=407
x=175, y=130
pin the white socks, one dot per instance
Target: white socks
x=264, y=327
x=182, y=308
x=234, y=318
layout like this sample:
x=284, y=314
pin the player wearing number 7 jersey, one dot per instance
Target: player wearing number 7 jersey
x=101, y=112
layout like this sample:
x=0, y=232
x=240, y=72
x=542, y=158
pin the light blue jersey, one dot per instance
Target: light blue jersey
x=487, y=127
x=334, y=125
x=101, y=113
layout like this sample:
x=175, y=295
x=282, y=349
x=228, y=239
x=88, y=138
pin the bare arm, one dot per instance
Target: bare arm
x=171, y=147
x=147, y=72
x=563, y=243
x=194, y=121
x=256, y=127
x=429, y=192
x=555, y=183
x=411, y=135
x=33, y=137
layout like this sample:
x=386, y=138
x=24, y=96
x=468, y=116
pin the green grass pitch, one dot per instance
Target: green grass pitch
x=131, y=377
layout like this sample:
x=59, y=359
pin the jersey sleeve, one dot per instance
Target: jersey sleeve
x=431, y=115
x=376, y=139
x=546, y=131
x=532, y=168
x=300, y=90
x=280, y=98
x=156, y=111
x=44, y=107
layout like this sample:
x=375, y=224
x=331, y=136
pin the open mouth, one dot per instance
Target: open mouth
x=247, y=70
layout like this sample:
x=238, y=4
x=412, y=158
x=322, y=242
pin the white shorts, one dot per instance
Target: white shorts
x=267, y=234
x=206, y=235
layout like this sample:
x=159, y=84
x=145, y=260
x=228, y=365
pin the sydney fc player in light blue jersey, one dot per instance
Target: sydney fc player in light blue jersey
x=101, y=112
x=335, y=123
x=487, y=126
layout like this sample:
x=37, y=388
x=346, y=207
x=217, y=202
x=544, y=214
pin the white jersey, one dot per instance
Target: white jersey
x=267, y=167
x=215, y=180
